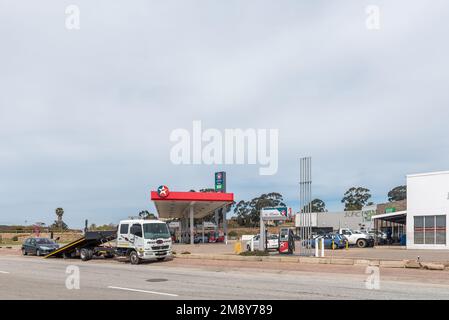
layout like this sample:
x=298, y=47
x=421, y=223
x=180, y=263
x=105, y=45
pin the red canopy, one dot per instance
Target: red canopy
x=176, y=204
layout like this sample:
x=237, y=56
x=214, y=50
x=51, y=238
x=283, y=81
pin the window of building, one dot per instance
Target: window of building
x=430, y=229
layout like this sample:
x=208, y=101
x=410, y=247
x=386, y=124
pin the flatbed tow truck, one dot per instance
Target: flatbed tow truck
x=135, y=239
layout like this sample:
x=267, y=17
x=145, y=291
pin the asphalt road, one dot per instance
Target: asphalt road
x=37, y=278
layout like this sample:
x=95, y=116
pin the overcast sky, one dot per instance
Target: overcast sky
x=86, y=115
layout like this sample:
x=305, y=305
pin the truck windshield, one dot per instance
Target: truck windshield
x=155, y=230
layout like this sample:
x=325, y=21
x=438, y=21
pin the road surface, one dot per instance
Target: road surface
x=38, y=278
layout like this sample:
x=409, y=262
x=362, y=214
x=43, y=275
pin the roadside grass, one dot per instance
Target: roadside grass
x=7, y=242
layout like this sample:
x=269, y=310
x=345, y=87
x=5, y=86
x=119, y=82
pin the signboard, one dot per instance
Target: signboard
x=208, y=224
x=174, y=224
x=274, y=213
x=368, y=212
x=220, y=181
x=163, y=191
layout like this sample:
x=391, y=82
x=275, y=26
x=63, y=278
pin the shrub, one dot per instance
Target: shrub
x=15, y=238
x=254, y=253
x=232, y=233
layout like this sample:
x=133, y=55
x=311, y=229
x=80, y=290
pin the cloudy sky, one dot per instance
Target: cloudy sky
x=86, y=115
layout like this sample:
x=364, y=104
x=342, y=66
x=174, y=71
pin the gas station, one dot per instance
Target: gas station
x=187, y=206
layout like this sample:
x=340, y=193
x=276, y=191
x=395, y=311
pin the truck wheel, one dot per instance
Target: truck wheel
x=38, y=253
x=85, y=254
x=24, y=252
x=361, y=243
x=134, y=258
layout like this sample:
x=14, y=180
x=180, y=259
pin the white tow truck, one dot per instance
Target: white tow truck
x=357, y=238
x=136, y=239
x=143, y=240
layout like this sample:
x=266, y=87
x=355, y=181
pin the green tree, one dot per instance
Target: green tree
x=248, y=212
x=59, y=224
x=145, y=214
x=397, y=194
x=317, y=205
x=356, y=198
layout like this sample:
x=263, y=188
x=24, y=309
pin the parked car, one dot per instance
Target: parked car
x=272, y=242
x=39, y=246
x=381, y=236
x=331, y=241
x=201, y=239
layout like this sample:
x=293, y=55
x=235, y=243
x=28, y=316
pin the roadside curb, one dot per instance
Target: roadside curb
x=324, y=260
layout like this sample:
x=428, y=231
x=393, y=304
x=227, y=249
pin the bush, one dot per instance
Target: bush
x=185, y=252
x=232, y=233
x=254, y=253
x=15, y=238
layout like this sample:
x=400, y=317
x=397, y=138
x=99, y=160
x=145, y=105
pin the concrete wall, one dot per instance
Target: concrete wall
x=336, y=220
x=427, y=194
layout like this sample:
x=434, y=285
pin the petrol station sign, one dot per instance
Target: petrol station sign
x=220, y=181
x=274, y=213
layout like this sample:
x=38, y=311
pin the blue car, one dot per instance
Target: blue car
x=331, y=239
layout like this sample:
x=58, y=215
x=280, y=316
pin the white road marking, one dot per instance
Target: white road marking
x=4, y=272
x=144, y=291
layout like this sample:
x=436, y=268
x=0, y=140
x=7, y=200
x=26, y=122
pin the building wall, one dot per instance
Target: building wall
x=342, y=219
x=398, y=205
x=427, y=195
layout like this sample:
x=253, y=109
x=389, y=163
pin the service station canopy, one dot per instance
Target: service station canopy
x=177, y=204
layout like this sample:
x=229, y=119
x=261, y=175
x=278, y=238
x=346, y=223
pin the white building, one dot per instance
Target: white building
x=428, y=210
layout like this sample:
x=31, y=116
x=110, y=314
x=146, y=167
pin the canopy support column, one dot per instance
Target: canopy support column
x=191, y=225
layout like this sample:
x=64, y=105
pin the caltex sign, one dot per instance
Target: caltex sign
x=274, y=213
x=163, y=191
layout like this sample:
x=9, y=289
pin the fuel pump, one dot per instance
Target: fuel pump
x=286, y=241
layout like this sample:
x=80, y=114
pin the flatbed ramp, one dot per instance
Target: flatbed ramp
x=90, y=239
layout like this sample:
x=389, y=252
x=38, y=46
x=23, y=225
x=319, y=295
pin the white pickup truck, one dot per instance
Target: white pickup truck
x=357, y=238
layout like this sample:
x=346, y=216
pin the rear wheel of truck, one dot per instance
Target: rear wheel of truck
x=24, y=252
x=85, y=254
x=134, y=258
x=361, y=243
x=38, y=253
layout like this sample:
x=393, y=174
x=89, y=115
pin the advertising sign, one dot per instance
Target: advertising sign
x=368, y=212
x=220, y=181
x=174, y=224
x=274, y=213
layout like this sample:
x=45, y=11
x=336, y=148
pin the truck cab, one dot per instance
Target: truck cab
x=144, y=240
